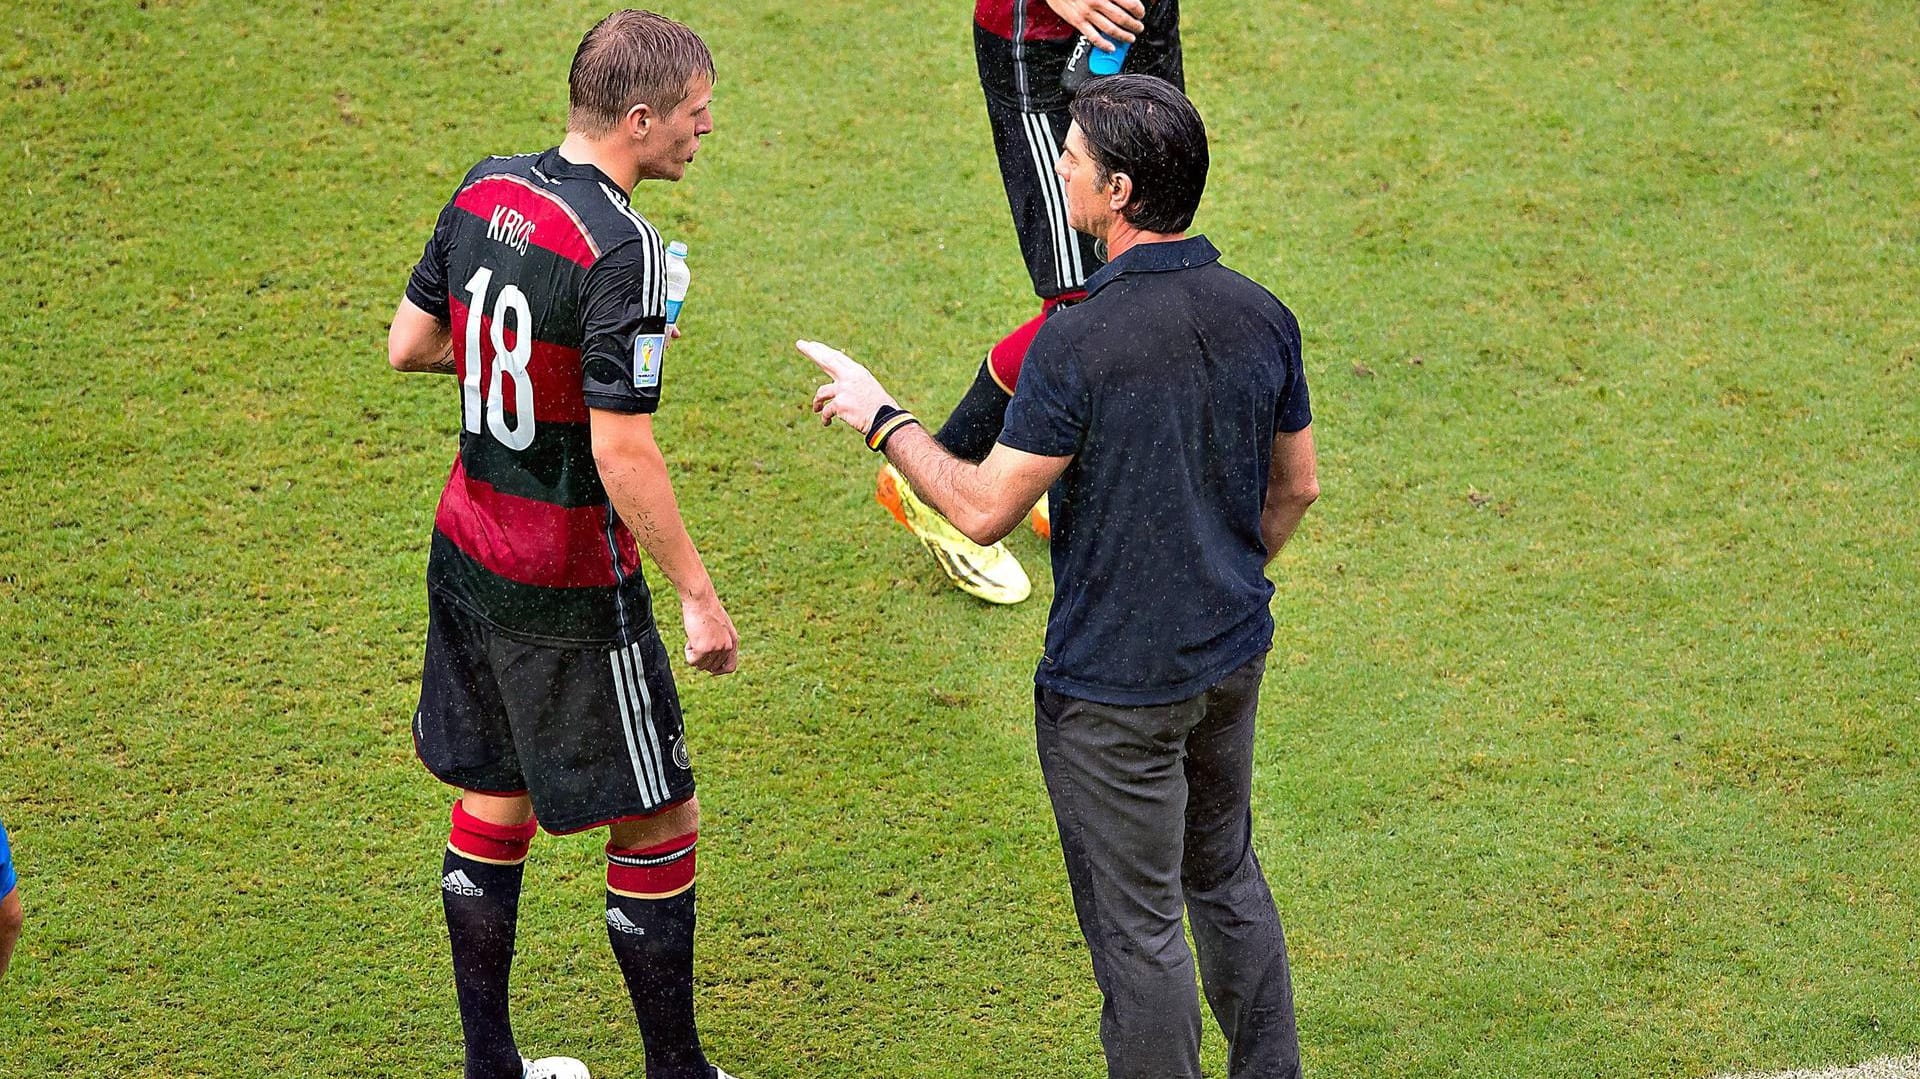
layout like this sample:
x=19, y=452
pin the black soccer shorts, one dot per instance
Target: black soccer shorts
x=593, y=734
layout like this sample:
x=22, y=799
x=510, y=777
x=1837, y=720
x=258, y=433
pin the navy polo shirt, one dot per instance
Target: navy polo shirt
x=1166, y=385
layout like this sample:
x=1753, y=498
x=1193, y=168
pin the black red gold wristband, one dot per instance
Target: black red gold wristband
x=885, y=422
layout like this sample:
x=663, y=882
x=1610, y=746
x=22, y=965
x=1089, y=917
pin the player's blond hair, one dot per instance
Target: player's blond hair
x=632, y=58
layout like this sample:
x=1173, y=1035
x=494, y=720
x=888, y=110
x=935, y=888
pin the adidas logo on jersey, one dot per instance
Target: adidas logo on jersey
x=617, y=919
x=459, y=883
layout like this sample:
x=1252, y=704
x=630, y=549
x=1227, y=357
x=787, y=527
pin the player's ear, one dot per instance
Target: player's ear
x=639, y=119
x=1119, y=191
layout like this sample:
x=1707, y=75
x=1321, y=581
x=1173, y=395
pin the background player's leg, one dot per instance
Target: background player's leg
x=650, y=920
x=1057, y=258
x=1082, y=253
x=974, y=424
x=480, y=890
x=1027, y=146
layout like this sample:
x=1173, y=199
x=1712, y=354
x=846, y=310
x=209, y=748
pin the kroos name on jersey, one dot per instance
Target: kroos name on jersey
x=510, y=227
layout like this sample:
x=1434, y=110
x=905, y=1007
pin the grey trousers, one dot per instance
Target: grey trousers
x=1152, y=806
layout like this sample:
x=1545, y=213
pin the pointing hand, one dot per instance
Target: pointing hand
x=852, y=395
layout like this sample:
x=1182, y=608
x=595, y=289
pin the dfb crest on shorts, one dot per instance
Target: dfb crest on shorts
x=680, y=758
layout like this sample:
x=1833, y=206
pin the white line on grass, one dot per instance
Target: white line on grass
x=1884, y=1068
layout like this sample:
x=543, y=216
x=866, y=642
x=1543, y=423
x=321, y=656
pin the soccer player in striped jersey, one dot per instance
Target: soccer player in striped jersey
x=1025, y=50
x=546, y=696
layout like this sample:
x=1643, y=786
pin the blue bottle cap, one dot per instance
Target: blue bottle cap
x=677, y=247
x=1108, y=63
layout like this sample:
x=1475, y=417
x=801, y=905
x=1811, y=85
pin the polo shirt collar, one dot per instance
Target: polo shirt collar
x=1156, y=258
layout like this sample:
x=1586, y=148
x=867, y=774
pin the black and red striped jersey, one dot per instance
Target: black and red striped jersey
x=1022, y=20
x=554, y=290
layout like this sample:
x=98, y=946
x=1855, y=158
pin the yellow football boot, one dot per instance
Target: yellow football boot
x=990, y=573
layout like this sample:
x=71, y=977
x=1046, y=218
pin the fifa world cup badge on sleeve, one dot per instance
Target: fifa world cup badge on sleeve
x=648, y=348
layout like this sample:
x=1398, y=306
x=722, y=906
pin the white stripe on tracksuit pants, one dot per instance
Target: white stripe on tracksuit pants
x=1027, y=148
x=1068, y=272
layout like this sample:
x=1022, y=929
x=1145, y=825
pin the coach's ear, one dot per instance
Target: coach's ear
x=1119, y=191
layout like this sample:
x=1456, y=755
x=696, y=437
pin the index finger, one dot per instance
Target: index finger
x=826, y=357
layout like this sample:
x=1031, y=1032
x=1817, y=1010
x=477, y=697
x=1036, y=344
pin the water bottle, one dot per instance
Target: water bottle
x=1108, y=63
x=678, y=278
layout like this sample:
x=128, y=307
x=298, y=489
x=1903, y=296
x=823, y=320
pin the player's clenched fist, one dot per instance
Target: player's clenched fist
x=713, y=645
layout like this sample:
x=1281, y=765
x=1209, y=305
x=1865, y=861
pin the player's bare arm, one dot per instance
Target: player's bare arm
x=634, y=472
x=419, y=341
x=1111, y=20
x=1291, y=488
x=984, y=501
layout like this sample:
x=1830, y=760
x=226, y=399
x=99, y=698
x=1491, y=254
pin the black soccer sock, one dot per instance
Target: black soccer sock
x=480, y=889
x=650, y=925
x=974, y=425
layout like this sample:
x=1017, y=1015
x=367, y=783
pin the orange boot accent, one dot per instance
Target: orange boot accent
x=886, y=491
x=1041, y=519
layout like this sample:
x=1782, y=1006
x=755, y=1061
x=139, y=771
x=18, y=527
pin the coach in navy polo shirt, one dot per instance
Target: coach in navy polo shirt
x=1168, y=413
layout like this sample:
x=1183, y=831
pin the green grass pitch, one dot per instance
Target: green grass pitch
x=1591, y=745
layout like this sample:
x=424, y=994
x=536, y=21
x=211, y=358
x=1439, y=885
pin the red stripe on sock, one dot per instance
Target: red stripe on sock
x=667, y=875
x=1005, y=358
x=487, y=841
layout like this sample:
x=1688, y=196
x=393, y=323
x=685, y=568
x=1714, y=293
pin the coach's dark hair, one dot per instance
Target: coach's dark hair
x=630, y=58
x=1146, y=128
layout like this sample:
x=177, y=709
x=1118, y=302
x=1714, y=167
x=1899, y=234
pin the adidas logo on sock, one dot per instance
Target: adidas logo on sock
x=459, y=883
x=617, y=919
